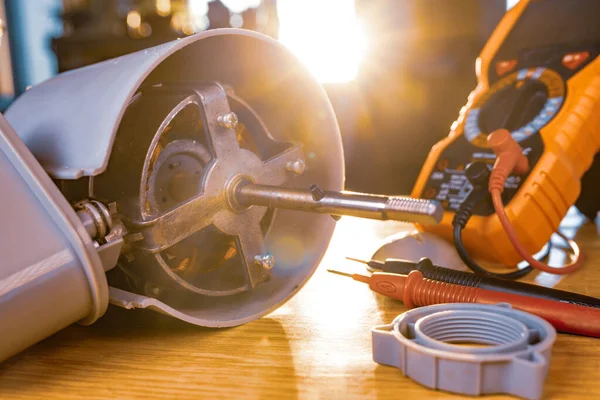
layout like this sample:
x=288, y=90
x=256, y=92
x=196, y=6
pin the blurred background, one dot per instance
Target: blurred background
x=397, y=71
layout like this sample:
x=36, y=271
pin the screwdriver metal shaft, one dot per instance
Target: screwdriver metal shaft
x=314, y=199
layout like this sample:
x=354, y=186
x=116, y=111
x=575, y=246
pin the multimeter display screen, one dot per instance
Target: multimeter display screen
x=547, y=30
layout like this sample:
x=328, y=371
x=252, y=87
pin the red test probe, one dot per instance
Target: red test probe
x=415, y=291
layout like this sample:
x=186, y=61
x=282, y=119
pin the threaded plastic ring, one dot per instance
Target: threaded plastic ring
x=448, y=330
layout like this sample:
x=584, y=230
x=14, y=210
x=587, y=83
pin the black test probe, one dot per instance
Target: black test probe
x=441, y=274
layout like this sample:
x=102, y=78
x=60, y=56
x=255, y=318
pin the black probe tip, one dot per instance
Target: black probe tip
x=372, y=263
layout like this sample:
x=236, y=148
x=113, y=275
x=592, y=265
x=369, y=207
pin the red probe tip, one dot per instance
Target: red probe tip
x=356, y=277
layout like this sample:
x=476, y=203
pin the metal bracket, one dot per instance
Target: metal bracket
x=229, y=164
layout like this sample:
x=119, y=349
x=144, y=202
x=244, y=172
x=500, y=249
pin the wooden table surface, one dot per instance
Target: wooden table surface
x=318, y=345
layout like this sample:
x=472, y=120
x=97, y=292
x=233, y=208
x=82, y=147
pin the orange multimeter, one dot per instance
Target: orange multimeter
x=539, y=77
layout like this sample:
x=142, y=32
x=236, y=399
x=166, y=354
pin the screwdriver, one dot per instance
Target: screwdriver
x=414, y=291
x=442, y=274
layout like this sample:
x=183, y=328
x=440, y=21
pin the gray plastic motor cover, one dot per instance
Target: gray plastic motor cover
x=424, y=344
x=50, y=273
x=69, y=123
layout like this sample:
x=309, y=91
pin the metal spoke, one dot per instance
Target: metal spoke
x=278, y=169
x=166, y=230
x=214, y=105
x=250, y=244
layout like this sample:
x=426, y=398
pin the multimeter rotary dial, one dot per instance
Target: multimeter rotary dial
x=522, y=102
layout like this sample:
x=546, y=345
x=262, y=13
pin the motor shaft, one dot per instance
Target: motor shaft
x=361, y=205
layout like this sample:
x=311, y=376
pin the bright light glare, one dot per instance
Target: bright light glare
x=239, y=6
x=511, y=3
x=199, y=8
x=163, y=7
x=134, y=19
x=325, y=35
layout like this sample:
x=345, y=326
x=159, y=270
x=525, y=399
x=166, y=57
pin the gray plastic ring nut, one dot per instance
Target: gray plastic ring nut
x=512, y=355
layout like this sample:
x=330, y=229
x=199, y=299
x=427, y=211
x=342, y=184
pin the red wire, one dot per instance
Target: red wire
x=514, y=239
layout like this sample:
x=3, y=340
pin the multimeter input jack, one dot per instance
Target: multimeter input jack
x=478, y=175
x=486, y=184
x=510, y=159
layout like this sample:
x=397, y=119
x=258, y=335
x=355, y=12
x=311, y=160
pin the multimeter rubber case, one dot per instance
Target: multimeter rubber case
x=539, y=77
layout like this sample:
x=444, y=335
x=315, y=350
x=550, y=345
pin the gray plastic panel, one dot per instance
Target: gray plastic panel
x=50, y=274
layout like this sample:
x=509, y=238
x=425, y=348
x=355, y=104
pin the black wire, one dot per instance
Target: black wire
x=478, y=175
x=473, y=266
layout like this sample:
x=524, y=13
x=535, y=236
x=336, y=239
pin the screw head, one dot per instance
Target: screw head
x=266, y=261
x=152, y=289
x=297, y=166
x=229, y=120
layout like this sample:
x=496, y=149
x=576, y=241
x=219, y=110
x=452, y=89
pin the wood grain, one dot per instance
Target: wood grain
x=316, y=346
